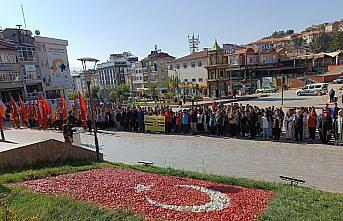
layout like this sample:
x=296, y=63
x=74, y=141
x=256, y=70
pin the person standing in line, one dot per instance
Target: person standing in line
x=325, y=127
x=140, y=119
x=305, y=115
x=185, y=122
x=200, y=125
x=205, y=120
x=312, y=125
x=194, y=121
x=265, y=124
x=232, y=123
x=178, y=124
x=288, y=125
x=252, y=121
x=212, y=123
x=299, y=125
x=243, y=123
x=339, y=128
x=276, y=125
x=168, y=121
x=219, y=122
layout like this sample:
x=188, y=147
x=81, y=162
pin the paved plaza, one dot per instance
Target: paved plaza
x=319, y=165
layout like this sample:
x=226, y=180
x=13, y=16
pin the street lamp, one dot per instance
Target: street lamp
x=2, y=131
x=88, y=74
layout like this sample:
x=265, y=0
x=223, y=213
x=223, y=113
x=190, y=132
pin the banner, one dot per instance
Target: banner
x=154, y=123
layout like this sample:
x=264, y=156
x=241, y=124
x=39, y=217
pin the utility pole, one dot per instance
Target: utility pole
x=282, y=85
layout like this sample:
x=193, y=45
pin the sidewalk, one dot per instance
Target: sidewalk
x=225, y=101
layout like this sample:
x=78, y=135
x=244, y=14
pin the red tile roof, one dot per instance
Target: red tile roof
x=195, y=55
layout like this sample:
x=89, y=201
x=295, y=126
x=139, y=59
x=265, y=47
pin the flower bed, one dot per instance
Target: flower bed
x=156, y=196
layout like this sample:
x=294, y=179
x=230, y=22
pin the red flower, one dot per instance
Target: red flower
x=156, y=196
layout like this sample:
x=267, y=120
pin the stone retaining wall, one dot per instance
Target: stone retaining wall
x=46, y=151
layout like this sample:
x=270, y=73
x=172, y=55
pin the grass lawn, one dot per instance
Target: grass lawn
x=290, y=203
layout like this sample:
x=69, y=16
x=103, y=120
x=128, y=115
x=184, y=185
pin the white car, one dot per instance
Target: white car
x=313, y=89
x=339, y=80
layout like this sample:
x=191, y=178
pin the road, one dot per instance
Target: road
x=292, y=100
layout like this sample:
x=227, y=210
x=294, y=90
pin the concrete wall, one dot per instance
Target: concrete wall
x=295, y=83
x=45, y=151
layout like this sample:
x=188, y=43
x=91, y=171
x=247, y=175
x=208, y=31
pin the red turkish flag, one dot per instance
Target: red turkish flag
x=64, y=109
x=23, y=110
x=83, y=109
x=15, y=113
x=3, y=109
x=32, y=113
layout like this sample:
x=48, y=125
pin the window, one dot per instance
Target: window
x=185, y=65
x=194, y=80
x=250, y=60
x=193, y=64
x=177, y=66
x=170, y=67
x=201, y=80
x=199, y=63
x=185, y=80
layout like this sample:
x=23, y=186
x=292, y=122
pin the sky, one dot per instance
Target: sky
x=98, y=28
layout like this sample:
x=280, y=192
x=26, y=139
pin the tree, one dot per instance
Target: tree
x=72, y=95
x=123, y=91
x=289, y=32
x=95, y=91
x=320, y=43
x=105, y=91
x=172, y=85
x=281, y=34
x=336, y=41
x=298, y=42
x=113, y=96
x=152, y=90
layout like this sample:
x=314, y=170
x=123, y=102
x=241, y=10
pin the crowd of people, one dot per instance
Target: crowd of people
x=234, y=120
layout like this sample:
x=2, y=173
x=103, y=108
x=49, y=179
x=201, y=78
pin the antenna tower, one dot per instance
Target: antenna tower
x=193, y=43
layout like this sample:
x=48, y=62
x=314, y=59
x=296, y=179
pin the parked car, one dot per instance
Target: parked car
x=313, y=89
x=266, y=89
x=339, y=80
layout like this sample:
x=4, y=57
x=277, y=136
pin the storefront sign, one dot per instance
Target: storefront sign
x=6, y=67
x=31, y=73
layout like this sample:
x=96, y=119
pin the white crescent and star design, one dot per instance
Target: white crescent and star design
x=218, y=200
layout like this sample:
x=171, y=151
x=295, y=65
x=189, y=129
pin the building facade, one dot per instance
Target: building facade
x=155, y=67
x=137, y=76
x=218, y=82
x=11, y=83
x=27, y=58
x=116, y=70
x=54, y=66
x=190, y=68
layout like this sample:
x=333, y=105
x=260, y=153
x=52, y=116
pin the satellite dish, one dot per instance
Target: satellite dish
x=37, y=32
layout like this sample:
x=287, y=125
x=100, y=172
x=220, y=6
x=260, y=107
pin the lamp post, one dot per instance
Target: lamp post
x=2, y=131
x=88, y=73
x=282, y=85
